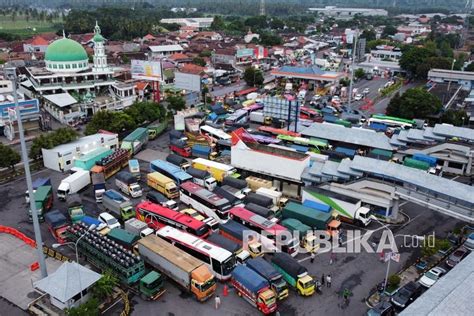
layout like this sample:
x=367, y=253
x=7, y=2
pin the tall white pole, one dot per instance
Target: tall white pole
x=354, y=48
x=11, y=74
x=388, y=271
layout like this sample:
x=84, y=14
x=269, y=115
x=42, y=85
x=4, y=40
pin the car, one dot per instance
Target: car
x=366, y=91
x=456, y=257
x=381, y=309
x=469, y=243
x=109, y=220
x=432, y=276
x=406, y=294
x=369, y=76
x=193, y=213
x=316, y=97
x=358, y=97
x=336, y=99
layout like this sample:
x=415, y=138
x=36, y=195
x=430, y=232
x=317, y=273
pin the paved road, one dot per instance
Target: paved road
x=221, y=91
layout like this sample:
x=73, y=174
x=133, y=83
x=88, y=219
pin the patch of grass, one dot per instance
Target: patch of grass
x=23, y=28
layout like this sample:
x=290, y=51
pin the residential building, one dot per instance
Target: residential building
x=164, y=50
x=36, y=45
x=348, y=13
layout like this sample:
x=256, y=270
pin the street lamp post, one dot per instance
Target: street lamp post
x=354, y=48
x=93, y=226
x=11, y=75
x=452, y=67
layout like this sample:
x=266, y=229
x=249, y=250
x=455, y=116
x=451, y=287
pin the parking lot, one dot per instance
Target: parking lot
x=358, y=272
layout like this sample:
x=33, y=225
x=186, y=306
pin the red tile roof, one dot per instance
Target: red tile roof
x=192, y=69
x=39, y=41
x=178, y=56
x=141, y=85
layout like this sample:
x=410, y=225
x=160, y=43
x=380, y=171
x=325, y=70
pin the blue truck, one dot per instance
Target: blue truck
x=317, y=206
x=267, y=271
x=203, y=151
x=425, y=158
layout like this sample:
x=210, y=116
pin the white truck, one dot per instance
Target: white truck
x=127, y=183
x=202, y=178
x=277, y=197
x=345, y=208
x=138, y=227
x=73, y=183
x=98, y=184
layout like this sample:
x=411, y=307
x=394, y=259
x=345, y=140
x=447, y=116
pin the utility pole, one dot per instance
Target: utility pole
x=354, y=49
x=262, y=7
x=11, y=75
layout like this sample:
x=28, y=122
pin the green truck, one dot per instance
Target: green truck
x=88, y=160
x=126, y=266
x=123, y=237
x=156, y=128
x=294, y=273
x=43, y=201
x=136, y=140
x=417, y=164
x=306, y=235
x=75, y=207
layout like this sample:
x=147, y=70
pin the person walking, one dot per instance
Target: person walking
x=217, y=300
x=328, y=280
x=323, y=279
x=312, y=257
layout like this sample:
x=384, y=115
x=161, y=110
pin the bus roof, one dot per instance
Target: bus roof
x=213, y=164
x=257, y=220
x=219, y=133
x=203, y=193
x=278, y=131
x=171, y=253
x=159, y=177
x=197, y=243
x=393, y=118
x=172, y=215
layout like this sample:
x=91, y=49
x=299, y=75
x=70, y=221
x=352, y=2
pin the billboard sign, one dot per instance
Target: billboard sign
x=146, y=70
x=244, y=52
x=185, y=81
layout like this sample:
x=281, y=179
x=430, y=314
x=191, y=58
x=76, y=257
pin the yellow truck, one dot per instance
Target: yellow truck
x=217, y=170
x=162, y=184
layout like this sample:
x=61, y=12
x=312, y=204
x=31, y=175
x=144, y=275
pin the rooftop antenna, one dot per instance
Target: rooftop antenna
x=262, y=7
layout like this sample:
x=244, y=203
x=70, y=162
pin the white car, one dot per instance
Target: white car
x=316, y=97
x=109, y=220
x=431, y=277
x=335, y=99
x=358, y=97
x=366, y=91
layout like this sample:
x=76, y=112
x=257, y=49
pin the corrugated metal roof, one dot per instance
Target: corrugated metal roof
x=454, y=131
x=356, y=136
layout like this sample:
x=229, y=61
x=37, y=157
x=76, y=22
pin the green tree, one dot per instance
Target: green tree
x=50, y=140
x=414, y=103
x=218, y=24
x=205, y=53
x=176, y=103
x=344, y=82
x=430, y=63
x=454, y=117
x=270, y=39
x=199, y=61
x=369, y=35
x=104, y=288
x=389, y=30
x=394, y=280
x=8, y=157
x=412, y=57
x=145, y=112
x=359, y=73
x=253, y=77
x=115, y=122
x=89, y=308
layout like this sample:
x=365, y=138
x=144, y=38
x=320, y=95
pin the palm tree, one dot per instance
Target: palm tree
x=104, y=288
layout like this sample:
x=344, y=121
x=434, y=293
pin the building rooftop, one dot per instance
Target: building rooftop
x=415, y=177
x=86, y=140
x=451, y=295
x=356, y=136
x=448, y=130
x=61, y=99
x=67, y=281
x=165, y=48
x=307, y=72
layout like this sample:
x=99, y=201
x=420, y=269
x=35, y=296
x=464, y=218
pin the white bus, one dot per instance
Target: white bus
x=219, y=260
x=204, y=201
x=214, y=133
x=238, y=117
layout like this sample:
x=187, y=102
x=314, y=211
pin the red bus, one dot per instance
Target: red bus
x=310, y=114
x=157, y=216
x=277, y=131
x=264, y=227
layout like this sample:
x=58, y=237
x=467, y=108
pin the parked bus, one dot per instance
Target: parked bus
x=265, y=227
x=260, y=139
x=170, y=170
x=392, y=121
x=215, y=133
x=238, y=117
x=204, y=201
x=309, y=142
x=157, y=216
x=310, y=114
x=219, y=260
x=278, y=131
